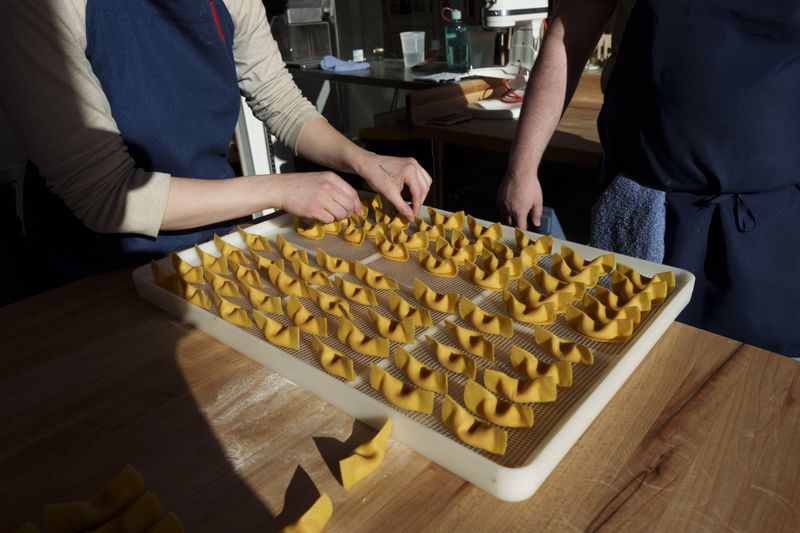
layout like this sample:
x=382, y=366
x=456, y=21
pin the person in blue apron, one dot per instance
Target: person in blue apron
x=700, y=131
x=168, y=70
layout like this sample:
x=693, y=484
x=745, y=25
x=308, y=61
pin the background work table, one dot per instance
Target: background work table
x=575, y=141
x=702, y=437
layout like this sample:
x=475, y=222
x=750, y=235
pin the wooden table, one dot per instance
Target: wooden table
x=704, y=436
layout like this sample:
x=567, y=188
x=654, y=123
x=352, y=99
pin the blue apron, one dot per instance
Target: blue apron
x=704, y=103
x=168, y=71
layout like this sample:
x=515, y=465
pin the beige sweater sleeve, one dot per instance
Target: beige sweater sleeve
x=63, y=119
x=264, y=81
x=61, y=115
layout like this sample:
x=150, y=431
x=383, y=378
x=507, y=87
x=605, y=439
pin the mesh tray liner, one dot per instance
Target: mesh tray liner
x=522, y=443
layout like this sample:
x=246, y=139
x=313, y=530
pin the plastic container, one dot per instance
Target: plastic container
x=413, y=43
x=456, y=41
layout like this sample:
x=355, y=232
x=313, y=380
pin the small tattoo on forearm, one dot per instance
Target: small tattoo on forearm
x=387, y=172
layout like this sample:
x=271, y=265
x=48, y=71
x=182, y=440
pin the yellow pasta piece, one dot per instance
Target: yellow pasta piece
x=376, y=202
x=624, y=288
x=483, y=403
x=402, y=309
x=612, y=301
x=390, y=250
x=78, y=516
x=138, y=517
x=187, y=272
x=418, y=373
x=248, y=276
x=602, y=314
x=543, y=245
x=333, y=361
x=561, y=349
x=366, y=458
x=529, y=391
x=494, y=232
x=264, y=263
x=562, y=271
x=373, y=278
x=356, y=293
x=167, y=280
x=532, y=298
x=529, y=365
x=262, y=301
x=222, y=286
x=471, y=430
x=372, y=230
x=304, y=320
x=393, y=330
x=285, y=283
x=277, y=333
x=333, y=264
x=195, y=295
x=502, y=251
x=483, y=321
x=514, y=266
x=315, y=519
x=472, y=341
x=431, y=231
x=454, y=221
x=217, y=265
x=437, y=266
x=400, y=393
x=445, y=303
x=290, y=251
x=354, y=234
x=391, y=221
x=416, y=241
x=640, y=281
x=255, y=242
x=313, y=231
x=229, y=311
x=552, y=284
x=333, y=305
x=353, y=337
x=229, y=251
x=574, y=260
x=460, y=255
x=542, y=313
x=309, y=274
x=458, y=239
x=612, y=331
x=490, y=261
x=452, y=359
x=494, y=281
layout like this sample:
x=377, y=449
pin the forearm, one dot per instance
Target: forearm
x=323, y=144
x=194, y=203
x=573, y=33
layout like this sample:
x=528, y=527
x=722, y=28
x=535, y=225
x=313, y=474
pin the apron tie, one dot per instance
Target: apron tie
x=745, y=219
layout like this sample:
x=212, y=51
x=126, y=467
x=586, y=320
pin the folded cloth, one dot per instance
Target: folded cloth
x=337, y=65
x=630, y=219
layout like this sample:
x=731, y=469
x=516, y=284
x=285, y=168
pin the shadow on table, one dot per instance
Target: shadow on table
x=90, y=385
x=333, y=450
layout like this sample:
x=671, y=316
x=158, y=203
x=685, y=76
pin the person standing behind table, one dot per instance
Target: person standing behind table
x=126, y=109
x=700, y=129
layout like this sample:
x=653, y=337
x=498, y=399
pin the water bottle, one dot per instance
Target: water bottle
x=456, y=41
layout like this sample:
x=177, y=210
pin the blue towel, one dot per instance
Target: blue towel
x=337, y=65
x=630, y=219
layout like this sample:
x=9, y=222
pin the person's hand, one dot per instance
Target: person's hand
x=320, y=195
x=388, y=175
x=519, y=199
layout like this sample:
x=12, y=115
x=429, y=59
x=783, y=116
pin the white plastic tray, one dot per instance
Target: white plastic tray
x=532, y=453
